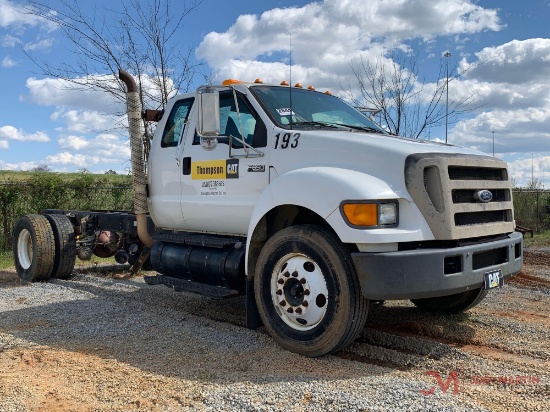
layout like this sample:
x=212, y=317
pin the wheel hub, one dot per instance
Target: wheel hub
x=24, y=249
x=299, y=291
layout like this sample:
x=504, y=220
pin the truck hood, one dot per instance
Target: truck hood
x=381, y=156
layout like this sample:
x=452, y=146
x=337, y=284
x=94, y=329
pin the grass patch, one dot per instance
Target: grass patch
x=17, y=176
x=6, y=260
x=541, y=239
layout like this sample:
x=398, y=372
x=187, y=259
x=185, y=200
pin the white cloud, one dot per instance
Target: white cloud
x=43, y=44
x=73, y=143
x=516, y=62
x=86, y=120
x=8, y=62
x=10, y=41
x=67, y=158
x=12, y=16
x=58, y=92
x=83, y=92
x=512, y=83
x=332, y=33
x=106, y=147
x=12, y=133
x=18, y=166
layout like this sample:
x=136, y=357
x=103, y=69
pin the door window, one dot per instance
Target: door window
x=176, y=122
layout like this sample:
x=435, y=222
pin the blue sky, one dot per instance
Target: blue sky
x=503, y=46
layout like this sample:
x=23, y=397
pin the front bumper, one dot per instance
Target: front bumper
x=417, y=274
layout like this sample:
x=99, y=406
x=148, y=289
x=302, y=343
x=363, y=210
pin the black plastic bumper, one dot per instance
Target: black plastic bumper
x=421, y=273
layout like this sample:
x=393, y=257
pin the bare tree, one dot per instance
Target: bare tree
x=404, y=106
x=141, y=37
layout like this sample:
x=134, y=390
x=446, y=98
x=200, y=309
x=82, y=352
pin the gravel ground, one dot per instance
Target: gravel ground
x=103, y=342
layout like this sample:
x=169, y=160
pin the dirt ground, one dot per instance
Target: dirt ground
x=52, y=358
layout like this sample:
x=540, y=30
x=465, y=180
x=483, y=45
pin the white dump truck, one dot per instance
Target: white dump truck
x=300, y=202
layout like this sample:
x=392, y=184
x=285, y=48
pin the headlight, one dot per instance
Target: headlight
x=370, y=213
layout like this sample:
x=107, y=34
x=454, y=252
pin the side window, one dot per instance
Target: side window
x=176, y=122
x=254, y=130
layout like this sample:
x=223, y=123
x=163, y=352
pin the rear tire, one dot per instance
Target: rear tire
x=457, y=303
x=308, y=293
x=33, y=248
x=65, y=246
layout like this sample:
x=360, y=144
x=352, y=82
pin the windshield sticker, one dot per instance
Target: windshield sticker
x=285, y=112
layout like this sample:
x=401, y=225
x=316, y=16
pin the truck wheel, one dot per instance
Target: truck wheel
x=307, y=291
x=33, y=248
x=65, y=246
x=457, y=303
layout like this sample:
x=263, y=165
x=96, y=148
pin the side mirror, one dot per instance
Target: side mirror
x=208, y=122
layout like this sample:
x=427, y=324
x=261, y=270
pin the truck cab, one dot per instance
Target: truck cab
x=308, y=183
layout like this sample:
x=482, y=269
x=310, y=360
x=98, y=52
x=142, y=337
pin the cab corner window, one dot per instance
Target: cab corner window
x=176, y=123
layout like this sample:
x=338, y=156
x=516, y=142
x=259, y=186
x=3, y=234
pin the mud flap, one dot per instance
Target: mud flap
x=253, y=320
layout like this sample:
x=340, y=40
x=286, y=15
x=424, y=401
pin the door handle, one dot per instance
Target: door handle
x=186, y=166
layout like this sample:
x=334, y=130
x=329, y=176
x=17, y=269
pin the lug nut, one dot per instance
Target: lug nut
x=279, y=292
x=280, y=281
x=306, y=292
x=299, y=311
x=295, y=274
x=290, y=310
x=282, y=302
x=305, y=304
x=303, y=281
x=286, y=274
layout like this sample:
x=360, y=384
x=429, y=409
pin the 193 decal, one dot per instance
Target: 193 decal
x=287, y=140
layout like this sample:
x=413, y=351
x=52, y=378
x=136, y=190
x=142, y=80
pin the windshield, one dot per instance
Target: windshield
x=310, y=109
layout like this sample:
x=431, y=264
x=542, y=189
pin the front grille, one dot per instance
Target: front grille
x=444, y=186
x=467, y=195
x=478, y=218
x=477, y=173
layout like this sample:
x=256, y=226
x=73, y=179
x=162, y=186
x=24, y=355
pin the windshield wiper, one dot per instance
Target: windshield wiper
x=318, y=124
x=363, y=128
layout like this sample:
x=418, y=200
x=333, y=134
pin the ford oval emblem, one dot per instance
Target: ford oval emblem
x=484, y=196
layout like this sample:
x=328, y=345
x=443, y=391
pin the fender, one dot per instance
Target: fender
x=321, y=190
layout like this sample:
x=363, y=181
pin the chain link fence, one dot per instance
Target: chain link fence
x=532, y=207
x=21, y=198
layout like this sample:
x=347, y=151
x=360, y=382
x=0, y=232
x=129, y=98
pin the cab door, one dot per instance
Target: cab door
x=164, y=168
x=219, y=192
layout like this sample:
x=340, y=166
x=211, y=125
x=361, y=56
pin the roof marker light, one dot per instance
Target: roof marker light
x=229, y=82
x=311, y=88
x=284, y=83
x=299, y=85
x=258, y=80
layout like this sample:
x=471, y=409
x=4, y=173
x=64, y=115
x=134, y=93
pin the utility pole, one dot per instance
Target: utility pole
x=493, y=143
x=532, y=170
x=447, y=55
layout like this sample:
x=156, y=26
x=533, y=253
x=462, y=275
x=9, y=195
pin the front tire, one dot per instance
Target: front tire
x=307, y=291
x=457, y=303
x=33, y=248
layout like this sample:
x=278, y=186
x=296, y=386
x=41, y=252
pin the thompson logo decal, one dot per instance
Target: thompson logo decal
x=215, y=169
